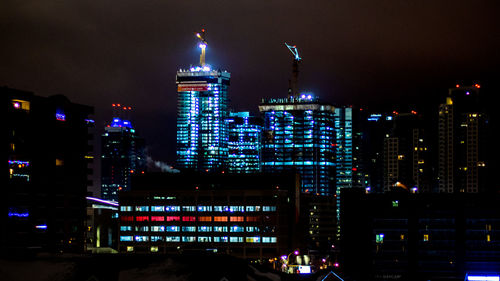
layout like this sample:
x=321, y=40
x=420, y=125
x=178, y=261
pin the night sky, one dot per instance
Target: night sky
x=354, y=51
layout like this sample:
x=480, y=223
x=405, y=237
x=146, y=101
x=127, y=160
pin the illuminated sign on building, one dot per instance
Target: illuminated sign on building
x=192, y=87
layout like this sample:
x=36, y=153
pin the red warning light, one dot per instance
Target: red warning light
x=114, y=104
x=477, y=86
x=458, y=86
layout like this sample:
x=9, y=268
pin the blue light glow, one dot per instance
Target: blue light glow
x=119, y=123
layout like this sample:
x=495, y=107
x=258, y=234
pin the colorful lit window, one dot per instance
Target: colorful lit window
x=250, y=208
x=172, y=209
x=172, y=239
x=142, y=208
x=154, y=249
x=127, y=218
x=173, y=218
x=236, y=228
x=126, y=208
x=141, y=238
x=253, y=218
x=255, y=239
x=252, y=229
x=60, y=116
x=204, y=239
x=426, y=237
x=205, y=218
x=125, y=228
x=157, y=228
x=219, y=208
x=126, y=238
x=130, y=248
x=204, y=208
x=157, y=208
x=142, y=218
x=268, y=208
x=237, y=218
x=156, y=238
x=20, y=104
x=157, y=218
x=218, y=218
x=189, y=228
x=236, y=239
x=269, y=240
x=379, y=238
x=188, y=238
x=220, y=228
x=172, y=228
x=189, y=218
x=204, y=229
x=142, y=228
x=189, y=208
x=488, y=238
x=236, y=209
x=395, y=203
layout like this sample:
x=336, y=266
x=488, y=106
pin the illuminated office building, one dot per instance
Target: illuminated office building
x=202, y=135
x=299, y=135
x=244, y=143
x=123, y=154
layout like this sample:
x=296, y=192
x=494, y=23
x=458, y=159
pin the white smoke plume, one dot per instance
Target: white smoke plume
x=162, y=166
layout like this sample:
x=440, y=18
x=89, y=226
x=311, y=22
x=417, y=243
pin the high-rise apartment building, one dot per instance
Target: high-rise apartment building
x=46, y=161
x=122, y=154
x=244, y=143
x=462, y=125
x=299, y=135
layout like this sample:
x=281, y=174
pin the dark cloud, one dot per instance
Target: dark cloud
x=356, y=51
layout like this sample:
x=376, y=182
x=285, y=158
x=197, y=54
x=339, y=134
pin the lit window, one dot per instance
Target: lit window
x=172, y=239
x=255, y=239
x=204, y=208
x=154, y=249
x=142, y=218
x=189, y=208
x=268, y=208
x=402, y=237
x=157, y=218
x=130, y=248
x=140, y=238
x=204, y=228
x=157, y=228
x=125, y=228
x=173, y=218
x=236, y=228
x=127, y=218
x=236, y=239
x=59, y=162
x=204, y=239
x=157, y=208
x=172, y=209
x=188, y=238
x=488, y=238
x=142, y=208
x=204, y=218
x=156, y=238
x=142, y=228
x=20, y=104
x=189, y=228
x=269, y=240
x=253, y=218
x=395, y=203
x=379, y=238
x=426, y=237
x=126, y=208
x=220, y=228
x=172, y=228
x=220, y=218
x=237, y=219
x=60, y=116
x=188, y=218
x=126, y=238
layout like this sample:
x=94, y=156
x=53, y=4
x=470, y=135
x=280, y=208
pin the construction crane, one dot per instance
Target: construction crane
x=292, y=89
x=203, y=45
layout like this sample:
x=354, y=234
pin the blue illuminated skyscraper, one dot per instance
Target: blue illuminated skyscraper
x=299, y=134
x=202, y=135
x=244, y=143
x=123, y=154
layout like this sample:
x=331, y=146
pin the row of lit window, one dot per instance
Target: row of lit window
x=174, y=228
x=216, y=239
x=192, y=218
x=198, y=208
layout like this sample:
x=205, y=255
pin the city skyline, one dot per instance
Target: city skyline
x=370, y=53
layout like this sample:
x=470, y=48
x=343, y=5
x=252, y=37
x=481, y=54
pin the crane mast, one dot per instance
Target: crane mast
x=292, y=89
x=203, y=45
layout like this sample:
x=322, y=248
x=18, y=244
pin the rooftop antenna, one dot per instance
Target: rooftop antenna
x=292, y=89
x=203, y=45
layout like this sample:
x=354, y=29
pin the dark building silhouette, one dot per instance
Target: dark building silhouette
x=462, y=141
x=122, y=154
x=425, y=236
x=46, y=160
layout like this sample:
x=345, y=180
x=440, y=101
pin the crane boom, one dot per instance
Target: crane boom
x=203, y=45
x=292, y=89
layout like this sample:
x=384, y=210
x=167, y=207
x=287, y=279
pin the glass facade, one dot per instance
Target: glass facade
x=123, y=154
x=202, y=108
x=244, y=143
x=299, y=134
